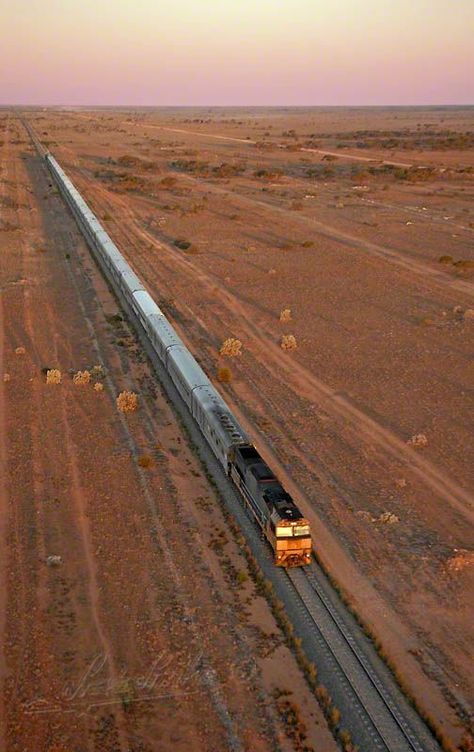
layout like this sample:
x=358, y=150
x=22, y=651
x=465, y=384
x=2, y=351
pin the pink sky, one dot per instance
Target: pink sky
x=247, y=52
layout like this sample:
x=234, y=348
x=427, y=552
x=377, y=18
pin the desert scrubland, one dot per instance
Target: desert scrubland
x=359, y=223
x=128, y=619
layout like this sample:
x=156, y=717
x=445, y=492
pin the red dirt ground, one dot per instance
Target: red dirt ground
x=124, y=625
x=383, y=329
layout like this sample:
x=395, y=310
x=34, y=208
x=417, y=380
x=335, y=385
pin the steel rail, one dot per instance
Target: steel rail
x=345, y=633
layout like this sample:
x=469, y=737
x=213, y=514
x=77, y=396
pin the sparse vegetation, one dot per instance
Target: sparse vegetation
x=285, y=315
x=224, y=375
x=419, y=440
x=145, y=461
x=81, y=378
x=231, y=348
x=53, y=376
x=183, y=245
x=20, y=351
x=127, y=402
x=288, y=342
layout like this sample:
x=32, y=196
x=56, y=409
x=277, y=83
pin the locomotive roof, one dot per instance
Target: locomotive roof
x=282, y=502
x=261, y=471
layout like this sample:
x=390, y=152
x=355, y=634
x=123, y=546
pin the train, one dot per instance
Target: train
x=271, y=506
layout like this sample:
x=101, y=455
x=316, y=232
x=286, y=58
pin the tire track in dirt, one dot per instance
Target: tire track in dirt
x=304, y=383
x=403, y=261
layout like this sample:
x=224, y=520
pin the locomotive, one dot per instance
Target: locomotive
x=280, y=520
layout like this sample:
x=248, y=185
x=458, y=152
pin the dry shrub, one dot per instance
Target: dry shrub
x=419, y=440
x=285, y=315
x=446, y=260
x=462, y=560
x=272, y=271
x=97, y=372
x=99, y=387
x=231, y=347
x=53, y=376
x=388, y=518
x=307, y=243
x=464, y=264
x=127, y=402
x=20, y=351
x=224, y=375
x=469, y=313
x=168, y=182
x=288, y=342
x=6, y=377
x=144, y=461
x=81, y=378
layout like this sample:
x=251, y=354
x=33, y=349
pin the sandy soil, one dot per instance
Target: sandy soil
x=384, y=341
x=127, y=619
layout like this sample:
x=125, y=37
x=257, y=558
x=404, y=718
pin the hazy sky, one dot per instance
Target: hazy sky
x=300, y=52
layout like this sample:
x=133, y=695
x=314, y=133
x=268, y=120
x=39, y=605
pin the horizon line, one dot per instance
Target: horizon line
x=235, y=106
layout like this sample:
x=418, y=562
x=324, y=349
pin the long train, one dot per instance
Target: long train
x=272, y=507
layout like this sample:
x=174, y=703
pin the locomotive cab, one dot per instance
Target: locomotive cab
x=287, y=531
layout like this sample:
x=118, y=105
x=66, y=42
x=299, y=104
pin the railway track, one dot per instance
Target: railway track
x=372, y=706
x=379, y=703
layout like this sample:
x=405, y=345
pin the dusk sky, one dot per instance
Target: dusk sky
x=241, y=52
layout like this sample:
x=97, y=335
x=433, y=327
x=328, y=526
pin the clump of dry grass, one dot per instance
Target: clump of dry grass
x=388, y=518
x=231, y=347
x=224, y=375
x=81, y=378
x=445, y=260
x=98, y=387
x=144, y=461
x=469, y=313
x=97, y=372
x=288, y=342
x=127, y=402
x=6, y=377
x=285, y=315
x=53, y=376
x=20, y=351
x=419, y=440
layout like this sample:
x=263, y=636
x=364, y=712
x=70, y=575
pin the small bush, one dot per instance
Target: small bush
x=6, y=377
x=231, y=347
x=464, y=264
x=446, y=260
x=224, y=375
x=127, y=402
x=418, y=440
x=182, y=244
x=307, y=243
x=285, y=315
x=288, y=342
x=53, y=376
x=98, y=387
x=81, y=378
x=97, y=372
x=144, y=461
x=168, y=182
x=20, y=351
